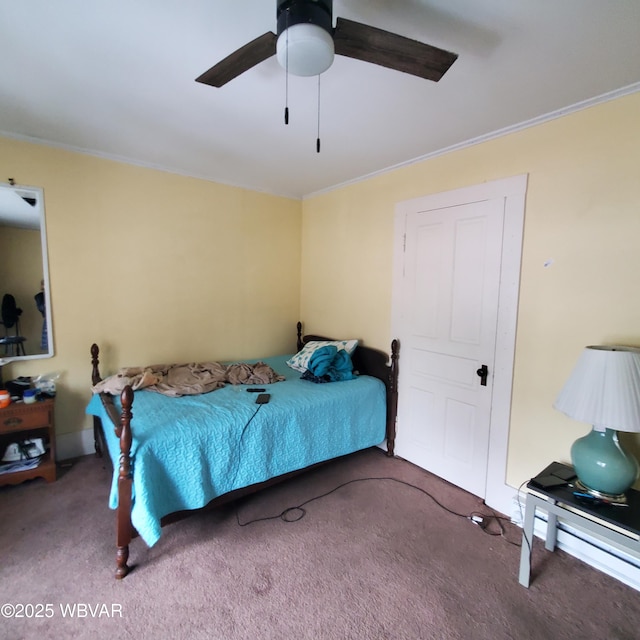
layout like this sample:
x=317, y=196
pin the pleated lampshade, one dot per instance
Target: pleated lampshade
x=604, y=388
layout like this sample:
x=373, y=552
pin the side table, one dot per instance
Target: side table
x=616, y=526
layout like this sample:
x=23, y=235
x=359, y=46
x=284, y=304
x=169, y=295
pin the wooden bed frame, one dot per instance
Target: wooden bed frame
x=366, y=361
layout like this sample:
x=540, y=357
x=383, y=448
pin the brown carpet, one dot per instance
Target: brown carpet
x=372, y=560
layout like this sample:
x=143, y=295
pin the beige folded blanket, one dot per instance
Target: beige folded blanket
x=187, y=379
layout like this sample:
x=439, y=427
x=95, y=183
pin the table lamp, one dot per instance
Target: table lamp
x=604, y=391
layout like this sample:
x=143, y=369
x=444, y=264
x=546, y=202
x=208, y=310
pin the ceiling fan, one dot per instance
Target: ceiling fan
x=307, y=41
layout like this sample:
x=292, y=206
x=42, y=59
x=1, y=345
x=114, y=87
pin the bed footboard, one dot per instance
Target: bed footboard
x=122, y=428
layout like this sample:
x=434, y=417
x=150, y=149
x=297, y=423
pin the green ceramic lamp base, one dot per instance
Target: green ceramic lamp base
x=603, y=467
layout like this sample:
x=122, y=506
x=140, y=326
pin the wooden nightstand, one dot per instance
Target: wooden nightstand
x=21, y=421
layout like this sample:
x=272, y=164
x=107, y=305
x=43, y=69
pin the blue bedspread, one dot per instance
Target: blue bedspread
x=187, y=451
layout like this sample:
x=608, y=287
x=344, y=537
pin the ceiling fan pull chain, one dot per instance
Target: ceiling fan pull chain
x=318, y=139
x=286, y=77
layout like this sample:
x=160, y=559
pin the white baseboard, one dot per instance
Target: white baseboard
x=581, y=545
x=74, y=445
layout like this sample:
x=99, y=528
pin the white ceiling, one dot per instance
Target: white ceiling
x=117, y=78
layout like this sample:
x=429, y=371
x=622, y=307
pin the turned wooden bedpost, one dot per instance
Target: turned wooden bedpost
x=95, y=370
x=95, y=378
x=299, y=329
x=392, y=400
x=123, y=514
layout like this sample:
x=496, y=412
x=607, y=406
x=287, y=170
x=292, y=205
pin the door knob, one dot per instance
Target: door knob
x=483, y=372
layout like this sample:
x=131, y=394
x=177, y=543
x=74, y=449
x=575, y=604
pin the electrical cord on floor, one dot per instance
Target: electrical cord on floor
x=296, y=513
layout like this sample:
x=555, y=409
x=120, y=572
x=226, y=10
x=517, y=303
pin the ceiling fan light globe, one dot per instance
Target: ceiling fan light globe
x=310, y=50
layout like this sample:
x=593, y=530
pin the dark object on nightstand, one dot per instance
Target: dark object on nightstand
x=555, y=475
x=17, y=386
x=546, y=482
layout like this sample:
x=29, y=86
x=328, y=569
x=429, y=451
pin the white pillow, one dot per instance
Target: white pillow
x=300, y=362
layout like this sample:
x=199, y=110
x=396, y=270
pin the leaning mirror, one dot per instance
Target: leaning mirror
x=25, y=319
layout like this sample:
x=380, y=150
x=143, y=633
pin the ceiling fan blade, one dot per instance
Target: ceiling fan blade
x=362, y=42
x=241, y=60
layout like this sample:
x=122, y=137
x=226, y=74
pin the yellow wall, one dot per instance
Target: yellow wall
x=155, y=267
x=582, y=212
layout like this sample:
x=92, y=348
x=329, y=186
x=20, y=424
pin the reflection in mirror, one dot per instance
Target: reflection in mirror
x=25, y=319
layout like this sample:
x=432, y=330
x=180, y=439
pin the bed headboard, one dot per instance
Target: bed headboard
x=376, y=363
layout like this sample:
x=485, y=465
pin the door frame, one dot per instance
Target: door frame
x=498, y=494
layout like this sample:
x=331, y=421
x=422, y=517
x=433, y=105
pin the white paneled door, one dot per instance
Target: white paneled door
x=447, y=301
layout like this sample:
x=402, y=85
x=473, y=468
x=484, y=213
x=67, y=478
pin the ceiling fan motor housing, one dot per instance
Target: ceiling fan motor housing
x=305, y=36
x=317, y=12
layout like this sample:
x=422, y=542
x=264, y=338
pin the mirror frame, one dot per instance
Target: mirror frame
x=38, y=194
